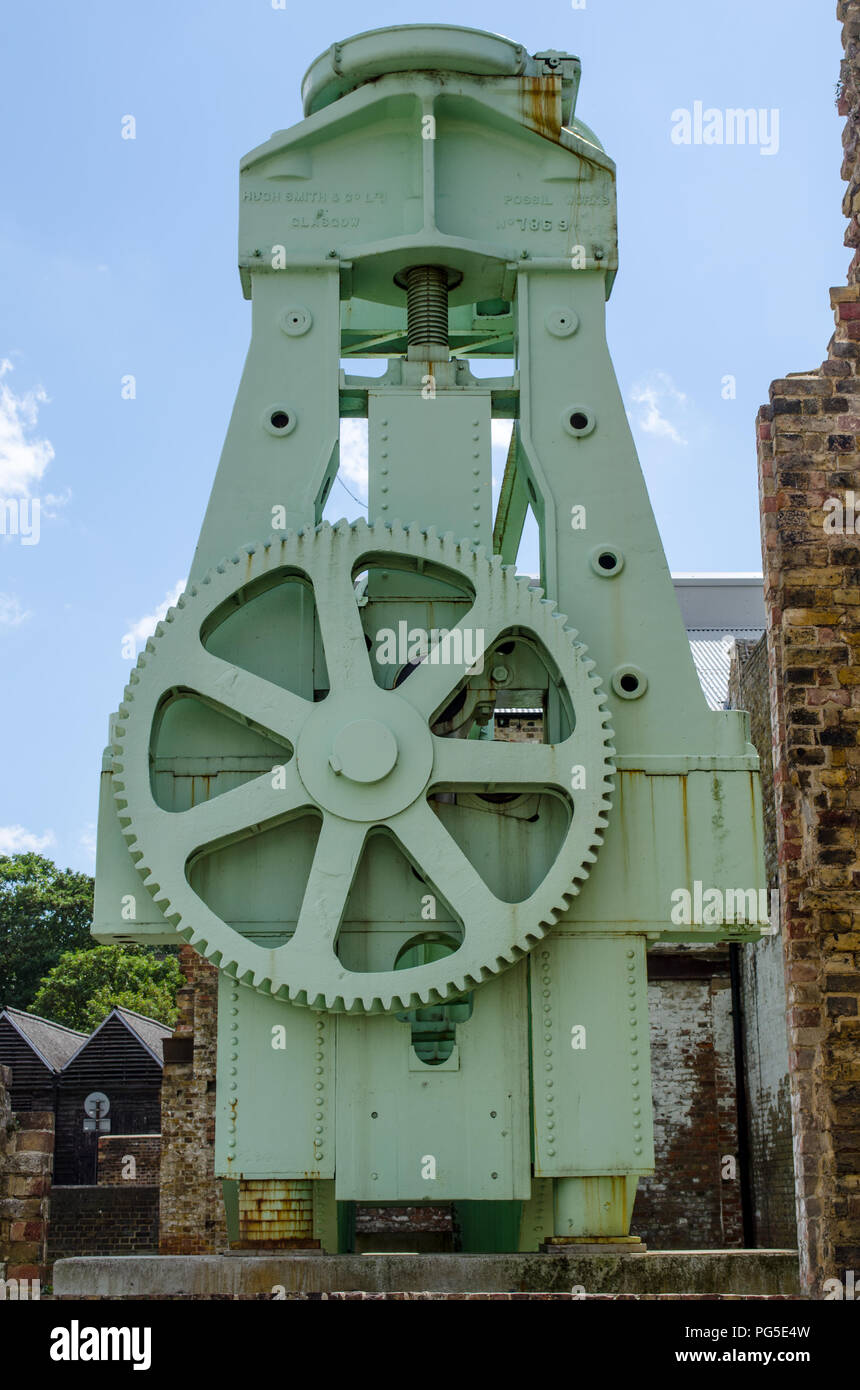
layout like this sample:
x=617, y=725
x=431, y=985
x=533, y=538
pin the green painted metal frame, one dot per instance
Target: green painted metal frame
x=441, y=146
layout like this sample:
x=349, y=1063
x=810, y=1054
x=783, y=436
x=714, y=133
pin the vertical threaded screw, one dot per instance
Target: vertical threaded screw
x=427, y=308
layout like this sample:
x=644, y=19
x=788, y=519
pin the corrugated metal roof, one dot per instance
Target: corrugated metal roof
x=712, y=655
x=54, y=1042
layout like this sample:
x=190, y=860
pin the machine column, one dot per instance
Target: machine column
x=592, y=1080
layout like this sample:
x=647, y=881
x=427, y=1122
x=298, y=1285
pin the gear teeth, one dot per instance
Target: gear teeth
x=536, y=614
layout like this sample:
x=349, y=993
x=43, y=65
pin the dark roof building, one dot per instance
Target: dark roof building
x=36, y=1050
x=111, y=1084
x=106, y=1083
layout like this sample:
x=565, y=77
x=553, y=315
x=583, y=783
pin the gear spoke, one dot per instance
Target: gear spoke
x=433, y=682
x=339, y=618
x=333, y=869
x=263, y=800
x=487, y=764
x=444, y=865
x=252, y=699
x=362, y=758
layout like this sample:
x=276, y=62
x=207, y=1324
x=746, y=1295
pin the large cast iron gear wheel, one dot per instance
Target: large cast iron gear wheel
x=364, y=757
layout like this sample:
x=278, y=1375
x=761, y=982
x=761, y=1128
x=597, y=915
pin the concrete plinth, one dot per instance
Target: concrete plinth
x=717, y=1273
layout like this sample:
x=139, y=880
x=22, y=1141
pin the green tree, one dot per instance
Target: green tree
x=44, y=910
x=84, y=986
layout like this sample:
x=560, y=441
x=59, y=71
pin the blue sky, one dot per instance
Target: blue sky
x=118, y=256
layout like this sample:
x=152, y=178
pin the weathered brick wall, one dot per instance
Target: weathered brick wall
x=769, y=1134
x=26, y=1158
x=114, y=1152
x=769, y=1137
x=808, y=452
x=748, y=689
x=518, y=728
x=192, y=1209
x=848, y=12
x=103, y=1221
x=687, y=1205
x=422, y=1228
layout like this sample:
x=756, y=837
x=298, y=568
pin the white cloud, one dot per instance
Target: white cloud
x=655, y=395
x=500, y=433
x=23, y=457
x=51, y=501
x=87, y=841
x=353, y=453
x=145, y=626
x=11, y=612
x=14, y=839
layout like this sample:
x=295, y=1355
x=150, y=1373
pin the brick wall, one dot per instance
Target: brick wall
x=518, y=728
x=809, y=451
x=103, y=1221
x=192, y=1209
x=687, y=1205
x=748, y=689
x=764, y=1006
x=114, y=1152
x=26, y=1158
x=769, y=1133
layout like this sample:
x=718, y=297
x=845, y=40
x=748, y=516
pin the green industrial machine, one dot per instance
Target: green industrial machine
x=431, y=941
